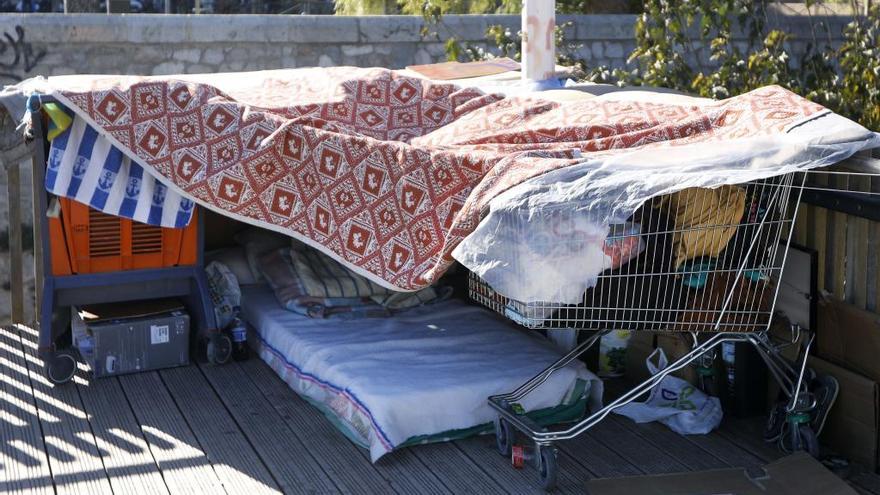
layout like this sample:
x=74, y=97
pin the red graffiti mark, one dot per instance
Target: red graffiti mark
x=548, y=34
x=532, y=26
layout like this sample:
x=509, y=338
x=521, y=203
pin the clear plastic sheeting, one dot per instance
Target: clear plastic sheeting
x=545, y=239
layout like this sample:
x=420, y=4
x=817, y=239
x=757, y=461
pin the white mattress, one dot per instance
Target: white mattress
x=427, y=371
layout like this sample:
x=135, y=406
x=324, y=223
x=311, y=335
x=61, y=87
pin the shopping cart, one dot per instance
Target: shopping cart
x=698, y=270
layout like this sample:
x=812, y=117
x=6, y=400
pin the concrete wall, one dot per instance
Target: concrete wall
x=47, y=44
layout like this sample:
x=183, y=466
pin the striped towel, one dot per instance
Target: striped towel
x=85, y=167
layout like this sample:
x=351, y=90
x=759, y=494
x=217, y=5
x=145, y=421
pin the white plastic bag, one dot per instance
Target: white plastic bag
x=225, y=292
x=675, y=403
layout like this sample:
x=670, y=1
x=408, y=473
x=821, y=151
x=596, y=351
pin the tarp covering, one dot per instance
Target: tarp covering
x=389, y=173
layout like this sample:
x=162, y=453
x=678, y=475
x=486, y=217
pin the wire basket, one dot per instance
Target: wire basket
x=693, y=261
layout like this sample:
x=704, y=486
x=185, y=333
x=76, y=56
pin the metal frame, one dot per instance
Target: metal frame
x=755, y=331
x=187, y=282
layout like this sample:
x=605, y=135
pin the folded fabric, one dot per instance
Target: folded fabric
x=312, y=284
x=748, y=308
x=256, y=243
x=705, y=220
x=85, y=166
x=235, y=258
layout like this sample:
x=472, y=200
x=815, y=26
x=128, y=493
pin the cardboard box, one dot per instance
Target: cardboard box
x=119, y=338
x=797, y=474
x=849, y=337
x=852, y=425
x=640, y=346
x=675, y=346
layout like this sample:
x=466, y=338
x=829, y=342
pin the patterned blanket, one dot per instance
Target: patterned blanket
x=383, y=172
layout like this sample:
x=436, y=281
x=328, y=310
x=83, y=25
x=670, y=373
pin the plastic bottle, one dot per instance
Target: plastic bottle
x=238, y=333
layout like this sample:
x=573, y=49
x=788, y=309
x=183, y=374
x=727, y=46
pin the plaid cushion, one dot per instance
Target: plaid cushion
x=312, y=284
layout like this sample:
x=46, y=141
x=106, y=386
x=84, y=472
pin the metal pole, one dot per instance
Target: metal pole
x=538, y=40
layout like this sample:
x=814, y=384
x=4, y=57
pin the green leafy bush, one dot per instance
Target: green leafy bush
x=844, y=78
x=745, y=51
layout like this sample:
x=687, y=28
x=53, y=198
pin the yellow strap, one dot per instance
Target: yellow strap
x=59, y=120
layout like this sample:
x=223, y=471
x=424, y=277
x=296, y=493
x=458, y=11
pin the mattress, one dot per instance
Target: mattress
x=417, y=377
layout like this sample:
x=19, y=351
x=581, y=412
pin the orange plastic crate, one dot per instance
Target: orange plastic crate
x=85, y=240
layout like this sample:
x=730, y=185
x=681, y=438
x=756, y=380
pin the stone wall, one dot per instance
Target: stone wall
x=53, y=44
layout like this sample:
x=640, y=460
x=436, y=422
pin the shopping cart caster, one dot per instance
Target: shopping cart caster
x=799, y=436
x=549, y=467
x=61, y=366
x=219, y=348
x=503, y=436
x=545, y=461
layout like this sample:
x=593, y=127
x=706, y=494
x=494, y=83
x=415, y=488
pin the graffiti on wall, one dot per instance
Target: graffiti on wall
x=17, y=56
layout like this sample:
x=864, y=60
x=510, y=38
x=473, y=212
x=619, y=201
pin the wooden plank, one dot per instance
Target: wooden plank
x=817, y=237
x=127, y=457
x=74, y=457
x=183, y=463
x=601, y=460
x=857, y=251
x=874, y=256
x=748, y=435
x=726, y=449
x=482, y=451
x=24, y=465
x=678, y=446
x=456, y=470
x=16, y=273
x=646, y=457
x=38, y=193
x=867, y=482
x=404, y=470
x=801, y=226
x=598, y=458
x=236, y=463
x=289, y=461
x=838, y=264
x=838, y=251
x=819, y=243
x=340, y=459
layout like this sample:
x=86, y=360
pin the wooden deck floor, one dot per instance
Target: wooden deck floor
x=239, y=429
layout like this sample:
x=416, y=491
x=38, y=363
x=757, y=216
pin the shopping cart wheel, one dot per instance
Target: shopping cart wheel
x=219, y=348
x=799, y=437
x=503, y=436
x=61, y=366
x=549, y=467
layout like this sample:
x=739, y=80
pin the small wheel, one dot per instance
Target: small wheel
x=503, y=436
x=61, y=367
x=549, y=468
x=219, y=348
x=800, y=437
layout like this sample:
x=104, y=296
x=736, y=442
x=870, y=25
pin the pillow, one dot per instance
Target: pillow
x=236, y=260
x=307, y=282
x=705, y=220
x=257, y=242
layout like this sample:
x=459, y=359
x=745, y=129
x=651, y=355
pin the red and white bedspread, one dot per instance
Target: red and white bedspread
x=383, y=172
